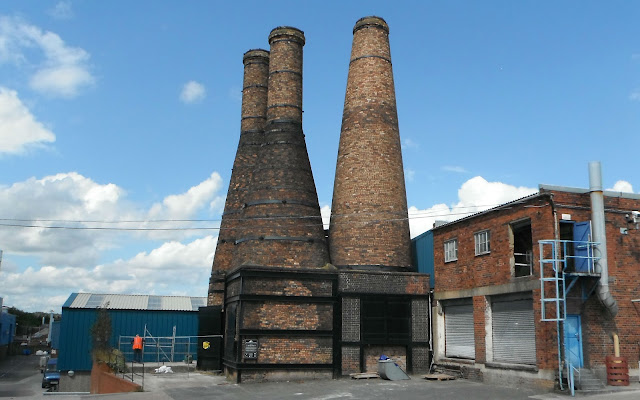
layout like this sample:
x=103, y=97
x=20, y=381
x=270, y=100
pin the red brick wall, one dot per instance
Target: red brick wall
x=623, y=251
x=104, y=381
x=471, y=271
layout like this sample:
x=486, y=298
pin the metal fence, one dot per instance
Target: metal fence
x=164, y=349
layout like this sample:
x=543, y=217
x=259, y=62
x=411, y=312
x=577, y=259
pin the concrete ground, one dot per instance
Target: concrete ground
x=20, y=378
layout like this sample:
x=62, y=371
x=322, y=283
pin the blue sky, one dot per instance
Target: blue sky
x=130, y=111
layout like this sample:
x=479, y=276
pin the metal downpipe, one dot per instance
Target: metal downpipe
x=600, y=236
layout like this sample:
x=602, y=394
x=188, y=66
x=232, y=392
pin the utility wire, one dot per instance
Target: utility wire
x=416, y=214
x=195, y=228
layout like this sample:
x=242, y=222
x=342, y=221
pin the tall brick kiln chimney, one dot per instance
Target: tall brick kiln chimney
x=369, y=226
x=254, y=116
x=282, y=208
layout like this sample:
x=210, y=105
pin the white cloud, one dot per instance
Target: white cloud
x=325, y=213
x=622, y=186
x=62, y=10
x=68, y=260
x=475, y=195
x=61, y=199
x=19, y=129
x=635, y=96
x=186, y=204
x=192, y=92
x=63, y=72
x=173, y=268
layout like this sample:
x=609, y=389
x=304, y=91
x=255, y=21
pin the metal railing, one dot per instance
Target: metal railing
x=560, y=258
x=524, y=260
x=118, y=364
x=572, y=378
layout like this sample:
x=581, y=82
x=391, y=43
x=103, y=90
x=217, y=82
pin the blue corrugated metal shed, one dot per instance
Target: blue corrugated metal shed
x=55, y=335
x=422, y=253
x=75, y=339
x=7, y=328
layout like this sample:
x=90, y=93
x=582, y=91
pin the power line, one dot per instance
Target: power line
x=201, y=228
x=415, y=214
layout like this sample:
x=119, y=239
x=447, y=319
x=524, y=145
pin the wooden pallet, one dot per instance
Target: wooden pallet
x=439, y=377
x=364, y=375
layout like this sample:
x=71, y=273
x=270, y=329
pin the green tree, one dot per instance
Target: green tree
x=101, y=332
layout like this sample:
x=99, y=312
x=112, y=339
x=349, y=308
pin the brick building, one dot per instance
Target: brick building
x=496, y=320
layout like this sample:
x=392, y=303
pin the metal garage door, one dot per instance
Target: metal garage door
x=458, y=326
x=514, y=337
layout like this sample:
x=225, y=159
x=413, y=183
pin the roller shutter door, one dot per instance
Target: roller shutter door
x=459, y=335
x=514, y=337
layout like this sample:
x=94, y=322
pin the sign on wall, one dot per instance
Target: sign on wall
x=250, y=349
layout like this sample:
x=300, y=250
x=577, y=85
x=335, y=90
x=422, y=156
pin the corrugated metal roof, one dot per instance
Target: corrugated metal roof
x=136, y=302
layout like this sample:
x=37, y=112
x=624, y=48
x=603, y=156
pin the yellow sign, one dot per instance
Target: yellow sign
x=206, y=345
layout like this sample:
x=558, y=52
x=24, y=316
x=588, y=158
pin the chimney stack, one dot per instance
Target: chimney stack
x=282, y=210
x=254, y=116
x=369, y=219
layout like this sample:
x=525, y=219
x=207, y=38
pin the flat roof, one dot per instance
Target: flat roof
x=608, y=193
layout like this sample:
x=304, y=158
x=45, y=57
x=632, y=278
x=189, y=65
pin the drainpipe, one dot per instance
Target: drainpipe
x=600, y=236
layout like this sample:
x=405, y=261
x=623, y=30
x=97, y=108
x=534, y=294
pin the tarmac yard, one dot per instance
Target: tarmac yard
x=20, y=378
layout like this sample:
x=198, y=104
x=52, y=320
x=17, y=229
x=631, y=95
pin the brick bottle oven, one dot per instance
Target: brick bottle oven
x=280, y=299
x=254, y=115
x=282, y=207
x=384, y=307
x=369, y=225
x=288, y=312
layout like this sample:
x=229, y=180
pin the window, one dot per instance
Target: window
x=385, y=321
x=482, y=242
x=522, y=244
x=451, y=250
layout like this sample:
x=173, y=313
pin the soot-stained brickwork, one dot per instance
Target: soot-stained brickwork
x=359, y=287
x=253, y=119
x=369, y=219
x=282, y=207
x=290, y=314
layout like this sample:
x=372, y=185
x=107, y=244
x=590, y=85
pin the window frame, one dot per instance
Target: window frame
x=447, y=252
x=482, y=246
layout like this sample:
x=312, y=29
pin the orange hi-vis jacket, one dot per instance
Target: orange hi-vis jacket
x=137, y=343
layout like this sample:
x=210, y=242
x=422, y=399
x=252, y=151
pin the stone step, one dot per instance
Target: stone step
x=587, y=381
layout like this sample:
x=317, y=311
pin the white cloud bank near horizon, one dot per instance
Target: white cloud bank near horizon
x=475, y=195
x=175, y=261
x=63, y=261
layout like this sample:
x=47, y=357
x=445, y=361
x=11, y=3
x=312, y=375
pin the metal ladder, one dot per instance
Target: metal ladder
x=554, y=283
